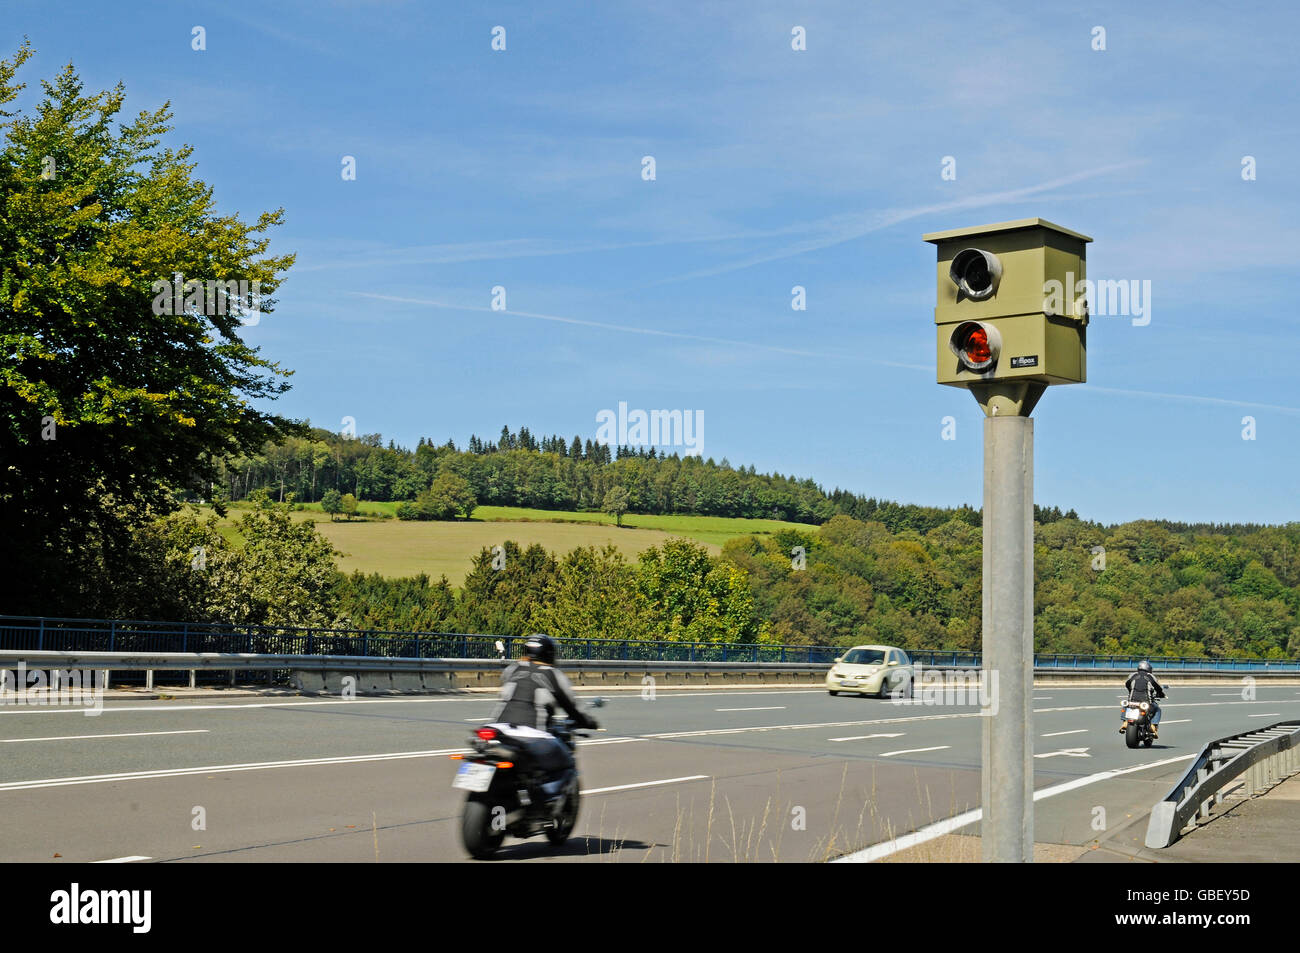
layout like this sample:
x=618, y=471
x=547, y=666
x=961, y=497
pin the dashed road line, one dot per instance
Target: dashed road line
x=890, y=754
x=124, y=734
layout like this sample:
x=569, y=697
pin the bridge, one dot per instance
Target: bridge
x=755, y=771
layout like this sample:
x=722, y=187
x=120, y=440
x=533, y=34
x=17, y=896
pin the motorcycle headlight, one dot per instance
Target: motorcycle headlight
x=1143, y=706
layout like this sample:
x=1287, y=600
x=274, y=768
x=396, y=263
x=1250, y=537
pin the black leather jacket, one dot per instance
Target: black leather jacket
x=530, y=693
x=1143, y=687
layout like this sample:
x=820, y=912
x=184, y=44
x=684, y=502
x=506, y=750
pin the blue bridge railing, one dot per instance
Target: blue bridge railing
x=18, y=633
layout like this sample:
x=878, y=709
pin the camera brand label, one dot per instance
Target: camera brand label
x=1031, y=361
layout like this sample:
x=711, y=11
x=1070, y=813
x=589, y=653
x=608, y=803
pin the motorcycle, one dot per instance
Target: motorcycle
x=1137, y=728
x=517, y=784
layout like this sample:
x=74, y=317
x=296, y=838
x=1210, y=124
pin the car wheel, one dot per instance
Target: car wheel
x=832, y=694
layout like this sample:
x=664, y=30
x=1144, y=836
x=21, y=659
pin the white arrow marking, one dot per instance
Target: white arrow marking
x=1067, y=752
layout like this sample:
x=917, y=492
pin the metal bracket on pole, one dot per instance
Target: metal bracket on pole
x=1008, y=398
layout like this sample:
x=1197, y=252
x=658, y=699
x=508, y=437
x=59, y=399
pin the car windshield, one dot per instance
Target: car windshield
x=864, y=657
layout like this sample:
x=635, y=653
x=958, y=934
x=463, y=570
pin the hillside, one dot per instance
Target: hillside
x=396, y=548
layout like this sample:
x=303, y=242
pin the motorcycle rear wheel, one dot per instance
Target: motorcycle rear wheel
x=1131, y=735
x=476, y=831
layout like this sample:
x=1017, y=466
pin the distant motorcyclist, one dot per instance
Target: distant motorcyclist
x=1143, y=687
x=532, y=688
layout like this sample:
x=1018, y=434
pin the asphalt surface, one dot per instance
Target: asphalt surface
x=720, y=775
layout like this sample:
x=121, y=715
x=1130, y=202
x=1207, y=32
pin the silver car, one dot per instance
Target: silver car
x=880, y=670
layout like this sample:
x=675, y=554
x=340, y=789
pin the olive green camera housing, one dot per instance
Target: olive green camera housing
x=1039, y=329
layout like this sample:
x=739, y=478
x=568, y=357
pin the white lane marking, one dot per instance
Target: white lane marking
x=890, y=754
x=1267, y=714
x=646, y=784
x=825, y=724
x=1076, y=731
x=1226, y=694
x=218, y=769
x=667, y=691
x=1167, y=706
x=1066, y=752
x=173, y=706
x=121, y=860
x=1046, y=698
x=947, y=826
x=885, y=734
x=1180, y=721
x=124, y=734
x=772, y=708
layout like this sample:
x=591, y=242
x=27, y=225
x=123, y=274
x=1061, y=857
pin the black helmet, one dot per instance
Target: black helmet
x=1144, y=666
x=542, y=648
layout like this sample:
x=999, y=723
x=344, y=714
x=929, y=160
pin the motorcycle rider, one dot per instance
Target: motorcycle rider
x=1143, y=687
x=531, y=689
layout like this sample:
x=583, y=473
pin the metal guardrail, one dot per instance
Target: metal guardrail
x=232, y=662
x=60, y=634
x=1267, y=754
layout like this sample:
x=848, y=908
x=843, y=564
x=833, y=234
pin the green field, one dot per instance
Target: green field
x=394, y=547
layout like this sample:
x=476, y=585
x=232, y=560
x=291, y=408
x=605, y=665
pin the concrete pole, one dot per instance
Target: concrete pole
x=1007, y=828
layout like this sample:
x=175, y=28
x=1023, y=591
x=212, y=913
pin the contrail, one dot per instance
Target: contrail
x=627, y=329
x=886, y=219
x=845, y=228
x=1194, y=397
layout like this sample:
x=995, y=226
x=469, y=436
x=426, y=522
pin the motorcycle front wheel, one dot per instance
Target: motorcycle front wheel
x=476, y=831
x=568, y=817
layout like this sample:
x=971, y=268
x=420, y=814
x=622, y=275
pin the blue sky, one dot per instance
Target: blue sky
x=522, y=168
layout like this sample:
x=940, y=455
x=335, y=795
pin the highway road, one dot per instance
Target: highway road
x=690, y=775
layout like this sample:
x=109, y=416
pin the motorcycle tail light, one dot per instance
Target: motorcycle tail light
x=457, y=757
x=505, y=764
x=486, y=734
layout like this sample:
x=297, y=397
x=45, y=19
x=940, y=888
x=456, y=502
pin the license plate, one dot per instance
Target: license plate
x=849, y=681
x=1134, y=714
x=474, y=777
